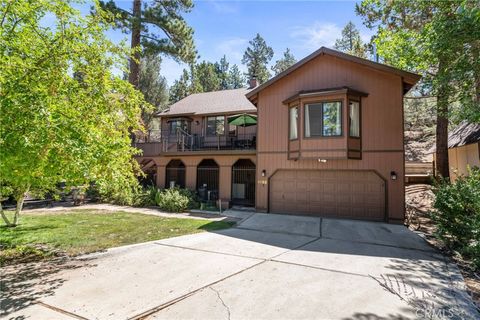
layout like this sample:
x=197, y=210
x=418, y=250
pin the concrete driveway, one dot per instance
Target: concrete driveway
x=268, y=267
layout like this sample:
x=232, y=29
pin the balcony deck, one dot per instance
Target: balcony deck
x=193, y=144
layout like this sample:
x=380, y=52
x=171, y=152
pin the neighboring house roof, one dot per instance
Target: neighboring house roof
x=215, y=102
x=409, y=78
x=465, y=133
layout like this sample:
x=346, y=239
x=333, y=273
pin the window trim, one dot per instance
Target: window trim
x=215, y=135
x=359, y=118
x=321, y=136
x=298, y=122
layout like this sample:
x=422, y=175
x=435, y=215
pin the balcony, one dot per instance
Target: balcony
x=181, y=141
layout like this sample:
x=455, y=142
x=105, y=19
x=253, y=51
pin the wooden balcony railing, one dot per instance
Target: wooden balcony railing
x=182, y=141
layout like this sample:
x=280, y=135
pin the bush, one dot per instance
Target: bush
x=176, y=199
x=457, y=215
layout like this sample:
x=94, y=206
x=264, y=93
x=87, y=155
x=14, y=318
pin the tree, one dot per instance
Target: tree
x=256, y=58
x=156, y=28
x=55, y=127
x=154, y=88
x=437, y=39
x=350, y=42
x=284, y=63
x=207, y=77
x=236, y=78
x=222, y=69
x=180, y=88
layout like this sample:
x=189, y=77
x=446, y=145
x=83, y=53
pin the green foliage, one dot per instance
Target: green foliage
x=222, y=68
x=256, y=58
x=439, y=39
x=207, y=76
x=176, y=199
x=181, y=87
x=350, y=42
x=284, y=63
x=163, y=29
x=237, y=80
x=64, y=115
x=457, y=214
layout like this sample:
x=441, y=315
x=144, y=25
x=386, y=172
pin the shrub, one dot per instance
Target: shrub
x=176, y=200
x=457, y=215
x=146, y=197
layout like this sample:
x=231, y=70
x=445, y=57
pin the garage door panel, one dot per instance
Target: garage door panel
x=329, y=193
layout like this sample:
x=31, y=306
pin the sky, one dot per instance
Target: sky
x=226, y=26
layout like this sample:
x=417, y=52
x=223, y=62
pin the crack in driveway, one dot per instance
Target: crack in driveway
x=221, y=300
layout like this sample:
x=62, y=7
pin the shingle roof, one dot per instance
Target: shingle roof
x=465, y=133
x=215, y=102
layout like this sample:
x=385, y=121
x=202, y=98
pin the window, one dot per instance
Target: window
x=354, y=114
x=323, y=119
x=215, y=126
x=178, y=124
x=332, y=119
x=293, y=118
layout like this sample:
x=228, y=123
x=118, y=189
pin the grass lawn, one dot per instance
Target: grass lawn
x=83, y=231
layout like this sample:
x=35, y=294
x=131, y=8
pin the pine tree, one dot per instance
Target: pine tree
x=157, y=27
x=207, y=76
x=222, y=72
x=284, y=63
x=350, y=42
x=181, y=87
x=236, y=78
x=256, y=58
x=154, y=88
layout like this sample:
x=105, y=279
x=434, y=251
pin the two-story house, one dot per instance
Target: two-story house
x=328, y=141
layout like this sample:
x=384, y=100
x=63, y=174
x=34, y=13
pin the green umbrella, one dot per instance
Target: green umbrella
x=243, y=120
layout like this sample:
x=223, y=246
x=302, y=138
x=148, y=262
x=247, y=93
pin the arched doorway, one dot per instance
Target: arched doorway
x=208, y=176
x=243, y=182
x=175, y=174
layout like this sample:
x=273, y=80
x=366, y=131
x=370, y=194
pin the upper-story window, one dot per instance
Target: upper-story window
x=215, y=126
x=293, y=120
x=354, y=117
x=179, y=124
x=323, y=119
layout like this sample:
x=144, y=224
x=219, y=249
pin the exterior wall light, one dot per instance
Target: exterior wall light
x=393, y=175
x=264, y=173
x=322, y=160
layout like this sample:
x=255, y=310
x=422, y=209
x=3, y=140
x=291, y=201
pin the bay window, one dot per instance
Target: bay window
x=323, y=119
x=293, y=120
x=354, y=117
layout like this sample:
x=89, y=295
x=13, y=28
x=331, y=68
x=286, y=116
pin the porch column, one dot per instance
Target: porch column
x=225, y=192
x=161, y=176
x=191, y=177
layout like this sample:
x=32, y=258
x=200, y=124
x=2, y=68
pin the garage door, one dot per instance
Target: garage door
x=339, y=194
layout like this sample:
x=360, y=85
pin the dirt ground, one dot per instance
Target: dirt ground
x=419, y=199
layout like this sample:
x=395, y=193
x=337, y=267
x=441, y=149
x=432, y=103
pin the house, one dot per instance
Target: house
x=328, y=141
x=463, y=149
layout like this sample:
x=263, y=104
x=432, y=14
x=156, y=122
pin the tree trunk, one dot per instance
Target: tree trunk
x=4, y=217
x=134, y=75
x=441, y=155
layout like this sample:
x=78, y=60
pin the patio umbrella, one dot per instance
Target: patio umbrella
x=243, y=120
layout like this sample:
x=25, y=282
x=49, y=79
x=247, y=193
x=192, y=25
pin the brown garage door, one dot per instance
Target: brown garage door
x=328, y=193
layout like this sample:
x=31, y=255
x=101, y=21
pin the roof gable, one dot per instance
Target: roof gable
x=409, y=78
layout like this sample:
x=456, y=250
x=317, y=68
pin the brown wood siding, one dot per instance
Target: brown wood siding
x=381, y=126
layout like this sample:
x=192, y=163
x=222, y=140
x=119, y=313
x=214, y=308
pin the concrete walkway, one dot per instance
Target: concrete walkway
x=268, y=267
